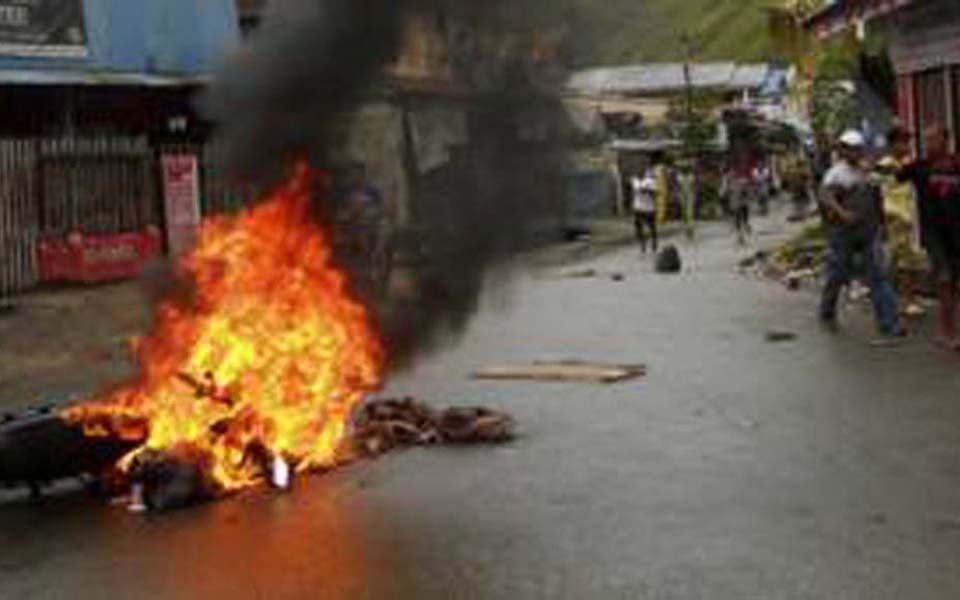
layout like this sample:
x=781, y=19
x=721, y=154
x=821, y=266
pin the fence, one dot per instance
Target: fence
x=97, y=184
x=18, y=215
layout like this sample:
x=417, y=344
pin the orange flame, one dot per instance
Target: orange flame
x=271, y=350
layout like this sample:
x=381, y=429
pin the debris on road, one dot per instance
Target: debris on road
x=795, y=279
x=913, y=310
x=775, y=337
x=753, y=260
x=615, y=276
x=802, y=259
x=564, y=371
x=383, y=425
x=582, y=274
x=669, y=261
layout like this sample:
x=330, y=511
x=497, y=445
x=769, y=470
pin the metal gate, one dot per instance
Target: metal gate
x=18, y=215
x=54, y=185
x=96, y=184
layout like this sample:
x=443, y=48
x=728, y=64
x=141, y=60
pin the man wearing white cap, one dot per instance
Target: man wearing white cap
x=852, y=206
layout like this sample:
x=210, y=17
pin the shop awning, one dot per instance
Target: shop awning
x=65, y=77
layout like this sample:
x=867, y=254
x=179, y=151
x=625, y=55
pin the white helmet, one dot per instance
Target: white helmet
x=852, y=139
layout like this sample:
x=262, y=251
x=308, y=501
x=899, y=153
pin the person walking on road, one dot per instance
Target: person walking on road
x=936, y=181
x=853, y=211
x=660, y=175
x=797, y=177
x=764, y=179
x=644, y=190
x=741, y=187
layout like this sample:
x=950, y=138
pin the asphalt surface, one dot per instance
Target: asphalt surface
x=737, y=469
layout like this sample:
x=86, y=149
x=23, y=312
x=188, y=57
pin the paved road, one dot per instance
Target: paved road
x=738, y=469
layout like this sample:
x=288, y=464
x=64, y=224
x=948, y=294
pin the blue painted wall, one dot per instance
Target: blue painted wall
x=163, y=37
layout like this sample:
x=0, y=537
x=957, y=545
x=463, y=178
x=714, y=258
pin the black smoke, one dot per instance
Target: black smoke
x=284, y=95
x=279, y=97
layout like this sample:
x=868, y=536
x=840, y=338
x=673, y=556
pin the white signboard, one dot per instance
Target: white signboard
x=181, y=196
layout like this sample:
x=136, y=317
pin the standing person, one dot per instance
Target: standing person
x=661, y=178
x=822, y=161
x=364, y=228
x=644, y=206
x=936, y=180
x=764, y=179
x=853, y=211
x=360, y=201
x=741, y=187
x=797, y=177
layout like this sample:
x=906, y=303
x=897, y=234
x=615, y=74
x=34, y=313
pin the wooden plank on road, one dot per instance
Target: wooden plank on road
x=564, y=371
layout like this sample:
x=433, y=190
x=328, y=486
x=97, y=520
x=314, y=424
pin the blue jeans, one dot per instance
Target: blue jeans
x=844, y=247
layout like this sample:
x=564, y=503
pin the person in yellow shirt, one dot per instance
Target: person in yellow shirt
x=661, y=178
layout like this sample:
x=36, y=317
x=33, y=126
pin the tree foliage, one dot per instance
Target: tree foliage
x=833, y=109
x=695, y=125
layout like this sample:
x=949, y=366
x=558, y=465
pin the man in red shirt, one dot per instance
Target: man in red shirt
x=936, y=179
x=741, y=186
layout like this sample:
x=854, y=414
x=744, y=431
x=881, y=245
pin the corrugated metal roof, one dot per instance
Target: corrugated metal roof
x=46, y=77
x=840, y=13
x=661, y=145
x=632, y=145
x=749, y=76
x=666, y=77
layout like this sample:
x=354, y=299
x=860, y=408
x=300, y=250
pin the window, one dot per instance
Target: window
x=931, y=93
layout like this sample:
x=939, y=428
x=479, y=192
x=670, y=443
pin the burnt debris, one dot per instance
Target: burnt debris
x=383, y=425
x=40, y=447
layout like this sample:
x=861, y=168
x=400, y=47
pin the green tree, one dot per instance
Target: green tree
x=695, y=124
x=833, y=107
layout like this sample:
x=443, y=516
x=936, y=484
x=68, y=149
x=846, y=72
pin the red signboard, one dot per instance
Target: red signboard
x=92, y=258
x=181, y=196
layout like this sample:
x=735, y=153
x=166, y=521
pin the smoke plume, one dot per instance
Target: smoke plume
x=284, y=95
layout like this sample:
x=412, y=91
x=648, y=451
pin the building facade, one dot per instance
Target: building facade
x=924, y=44
x=93, y=95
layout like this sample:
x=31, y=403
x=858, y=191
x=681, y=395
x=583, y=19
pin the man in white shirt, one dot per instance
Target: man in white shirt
x=644, y=190
x=852, y=207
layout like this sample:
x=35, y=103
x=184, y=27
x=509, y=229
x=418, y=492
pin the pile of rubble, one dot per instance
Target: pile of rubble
x=384, y=425
x=801, y=260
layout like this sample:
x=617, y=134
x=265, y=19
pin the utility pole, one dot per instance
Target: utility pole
x=687, y=40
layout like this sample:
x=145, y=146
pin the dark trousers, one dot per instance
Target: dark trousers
x=741, y=219
x=942, y=243
x=642, y=221
x=844, y=247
